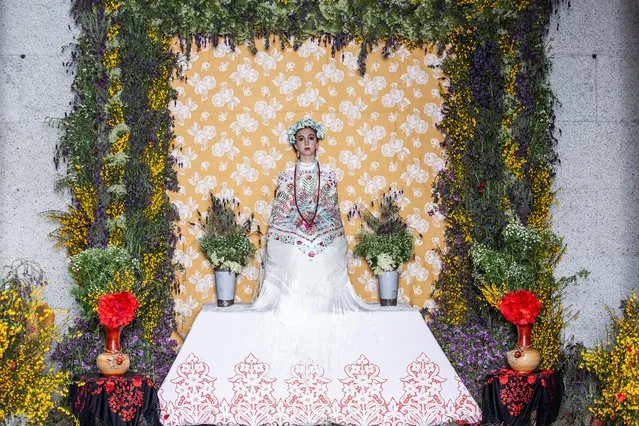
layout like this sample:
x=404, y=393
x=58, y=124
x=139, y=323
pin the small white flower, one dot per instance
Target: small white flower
x=372, y=85
x=414, y=75
x=185, y=307
x=330, y=73
x=202, y=85
x=244, y=122
x=268, y=62
x=225, y=146
x=310, y=97
x=395, y=148
x=182, y=110
x=244, y=73
x=395, y=98
x=225, y=98
x=385, y=263
x=353, y=111
x=309, y=48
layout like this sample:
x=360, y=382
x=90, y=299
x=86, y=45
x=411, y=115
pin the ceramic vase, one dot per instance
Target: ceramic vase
x=112, y=362
x=523, y=358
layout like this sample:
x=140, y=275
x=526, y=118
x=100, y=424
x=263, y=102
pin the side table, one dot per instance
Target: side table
x=114, y=401
x=513, y=399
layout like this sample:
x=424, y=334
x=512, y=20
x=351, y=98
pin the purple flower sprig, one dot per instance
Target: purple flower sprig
x=474, y=350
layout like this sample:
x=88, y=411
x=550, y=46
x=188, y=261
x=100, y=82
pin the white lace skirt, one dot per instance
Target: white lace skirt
x=294, y=284
x=308, y=304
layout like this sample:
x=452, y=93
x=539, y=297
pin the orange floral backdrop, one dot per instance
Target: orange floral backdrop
x=231, y=118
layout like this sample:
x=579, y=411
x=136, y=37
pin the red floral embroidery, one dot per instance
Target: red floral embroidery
x=362, y=400
x=124, y=395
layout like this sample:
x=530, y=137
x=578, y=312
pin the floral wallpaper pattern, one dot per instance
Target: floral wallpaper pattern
x=231, y=116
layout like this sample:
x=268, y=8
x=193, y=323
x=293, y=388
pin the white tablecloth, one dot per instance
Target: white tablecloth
x=390, y=372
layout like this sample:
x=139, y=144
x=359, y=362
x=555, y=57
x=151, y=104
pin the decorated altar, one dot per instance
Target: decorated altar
x=391, y=371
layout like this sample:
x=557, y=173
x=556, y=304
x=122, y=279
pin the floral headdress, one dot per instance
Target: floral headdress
x=307, y=122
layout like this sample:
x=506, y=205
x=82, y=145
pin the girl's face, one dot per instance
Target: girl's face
x=306, y=143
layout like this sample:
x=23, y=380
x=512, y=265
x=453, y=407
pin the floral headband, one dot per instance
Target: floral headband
x=307, y=122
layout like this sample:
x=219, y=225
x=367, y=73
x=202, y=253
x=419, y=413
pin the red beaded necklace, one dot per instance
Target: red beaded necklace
x=307, y=223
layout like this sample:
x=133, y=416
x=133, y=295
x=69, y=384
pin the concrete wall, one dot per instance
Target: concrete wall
x=598, y=145
x=34, y=87
x=595, y=69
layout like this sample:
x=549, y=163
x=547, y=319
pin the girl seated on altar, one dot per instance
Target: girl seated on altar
x=305, y=268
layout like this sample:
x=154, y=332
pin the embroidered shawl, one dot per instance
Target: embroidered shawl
x=287, y=226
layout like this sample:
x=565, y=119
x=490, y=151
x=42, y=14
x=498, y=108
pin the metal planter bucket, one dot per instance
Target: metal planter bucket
x=225, y=288
x=388, y=283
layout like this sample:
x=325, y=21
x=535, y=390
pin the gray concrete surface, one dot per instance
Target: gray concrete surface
x=595, y=69
x=34, y=88
x=596, y=184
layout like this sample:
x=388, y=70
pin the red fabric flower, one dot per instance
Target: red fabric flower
x=621, y=397
x=520, y=307
x=117, y=309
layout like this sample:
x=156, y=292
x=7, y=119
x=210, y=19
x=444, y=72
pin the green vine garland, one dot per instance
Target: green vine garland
x=498, y=125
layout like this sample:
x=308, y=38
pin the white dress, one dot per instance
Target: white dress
x=306, y=292
x=305, y=267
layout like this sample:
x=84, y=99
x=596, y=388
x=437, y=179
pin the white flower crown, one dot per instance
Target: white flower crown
x=307, y=122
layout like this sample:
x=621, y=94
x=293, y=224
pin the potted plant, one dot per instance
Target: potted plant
x=107, y=285
x=227, y=245
x=515, y=278
x=385, y=242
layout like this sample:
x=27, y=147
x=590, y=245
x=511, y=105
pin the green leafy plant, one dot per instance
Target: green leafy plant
x=385, y=241
x=526, y=254
x=99, y=271
x=226, y=241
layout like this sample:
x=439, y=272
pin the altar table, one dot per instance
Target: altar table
x=518, y=399
x=113, y=401
x=392, y=372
